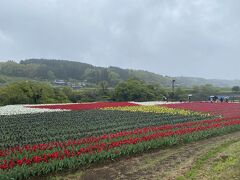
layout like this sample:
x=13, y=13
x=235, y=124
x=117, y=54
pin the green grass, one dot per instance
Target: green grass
x=221, y=161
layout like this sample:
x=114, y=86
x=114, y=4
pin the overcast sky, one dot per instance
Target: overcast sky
x=198, y=38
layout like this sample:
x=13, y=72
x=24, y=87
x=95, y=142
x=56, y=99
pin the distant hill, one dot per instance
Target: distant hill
x=46, y=69
x=192, y=81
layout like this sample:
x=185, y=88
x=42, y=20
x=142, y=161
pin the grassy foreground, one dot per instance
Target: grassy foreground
x=221, y=162
x=214, y=158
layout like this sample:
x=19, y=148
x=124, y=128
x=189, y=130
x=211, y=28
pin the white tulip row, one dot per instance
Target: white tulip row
x=21, y=109
x=152, y=103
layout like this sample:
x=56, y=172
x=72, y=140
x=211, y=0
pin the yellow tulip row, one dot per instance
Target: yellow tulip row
x=156, y=109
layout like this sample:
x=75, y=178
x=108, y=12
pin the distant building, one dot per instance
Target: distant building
x=60, y=82
x=76, y=85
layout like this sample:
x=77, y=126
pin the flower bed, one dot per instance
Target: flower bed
x=85, y=151
x=21, y=109
x=84, y=106
x=37, y=144
x=156, y=109
x=59, y=126
x=151, y=103
x=224, y=109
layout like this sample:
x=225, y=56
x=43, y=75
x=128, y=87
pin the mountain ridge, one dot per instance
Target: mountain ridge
x=65, y=69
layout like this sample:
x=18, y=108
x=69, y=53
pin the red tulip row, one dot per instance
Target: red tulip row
x=224, y=109
x=105, y=146
x=85, y=106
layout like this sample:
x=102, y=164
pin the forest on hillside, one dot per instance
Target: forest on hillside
x=41, y=69
x=45, y=69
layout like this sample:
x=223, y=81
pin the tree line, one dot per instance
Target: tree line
x=133, y=89
x=33, y=92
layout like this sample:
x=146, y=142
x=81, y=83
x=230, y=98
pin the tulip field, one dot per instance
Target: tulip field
x=42, y=139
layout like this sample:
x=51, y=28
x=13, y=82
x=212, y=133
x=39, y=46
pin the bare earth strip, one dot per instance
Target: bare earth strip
x=217, y=154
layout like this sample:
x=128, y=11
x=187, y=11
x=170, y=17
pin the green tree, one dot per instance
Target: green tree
x=51, y=75
x=134, y=90
x=113, y=78
x=235, y=89
x=103, y=87
x=202, y=93
x=29, y=92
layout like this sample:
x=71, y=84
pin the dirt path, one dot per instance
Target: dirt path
x=170, y=163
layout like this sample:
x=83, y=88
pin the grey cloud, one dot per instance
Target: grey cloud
x=170, y=37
